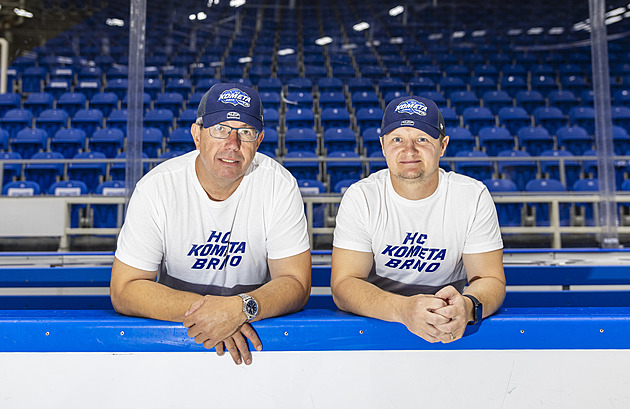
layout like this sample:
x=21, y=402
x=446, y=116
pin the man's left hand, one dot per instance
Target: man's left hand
x=455, y=311
x=237, y=346
x=213, y=319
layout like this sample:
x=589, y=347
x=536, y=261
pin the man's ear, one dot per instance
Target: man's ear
x=195, y=131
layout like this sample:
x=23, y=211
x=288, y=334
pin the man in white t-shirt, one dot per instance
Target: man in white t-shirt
x=216, y=238
x=408, y=238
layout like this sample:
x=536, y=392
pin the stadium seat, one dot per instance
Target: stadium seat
x=495, y=139
x=335, y=118
x=37, y=102
x=270, y=100
x=520, y=172
x=4, y=140
x=314, y=187
x=460, y=139
x=171, y=101
x=71, y=102
x=300, y=139
x=450, y=85
x=118, y=119
x=21, y=188
x=302, y=169
x=299, y=118
x=479, y=170
x=332, y=99
x=159, y=118
x=33, y=79
x=545, y=186
x=482, y=84
x=9, y=101
x=586, y=209
x=107, y=141
x=11, y=170
x=432, y=72
x=364, y=99
x=181, y=140
x=551, y=118
x=340, y=170
x=89, y=172
x=513, y=84
x=360, y=85
x=304, y=85
x=575, y=139
x=572, y=168
x=621, y=140
x=509, y=213
x=270, y=142
x=339, y=139
x=487, y=71
x=89, y=120
x=70, y=188
x=299, y=99
x=181, y=86
x=117, y=170
x=514, y=119
x=51, y=120
x=329, y=85
x=535, y=139
x=574, y=83
x=544, y=84
x=118, y=86
x=583, y=117
x=565, y=100
x=369, y=118
x=343, y=185
x=68, y=142
x=88, y=87
x=418, y=85
x=45, y=174
x=269, y=85
x=187, y=117
x=621, y=117
x=371, y=141
x=29, y=141
x=495, y=100
x=530, y=100
x=461, y=100
x=477, y=118
x=108, y=215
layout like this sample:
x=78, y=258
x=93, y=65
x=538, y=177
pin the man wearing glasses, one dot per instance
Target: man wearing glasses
x=221, y=228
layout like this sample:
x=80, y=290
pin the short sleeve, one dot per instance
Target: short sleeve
x=485, y=233
x=140, y=243
x=351, y=228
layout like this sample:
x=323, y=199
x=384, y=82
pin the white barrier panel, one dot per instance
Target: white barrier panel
x=32, y=217
x=355, y=379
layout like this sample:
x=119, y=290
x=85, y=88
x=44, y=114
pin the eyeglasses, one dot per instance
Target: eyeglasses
x=221, y=131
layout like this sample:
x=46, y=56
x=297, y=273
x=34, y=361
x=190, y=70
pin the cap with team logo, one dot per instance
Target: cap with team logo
x=416, y=112
x=231, y=102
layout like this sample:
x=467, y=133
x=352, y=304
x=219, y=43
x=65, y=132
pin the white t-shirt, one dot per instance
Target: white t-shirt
x=418, y=244
x=211, y=247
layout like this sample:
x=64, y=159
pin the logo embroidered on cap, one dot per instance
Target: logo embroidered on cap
x=411, y=106
x=235, y=97
x=233, y=115
x=406, y=123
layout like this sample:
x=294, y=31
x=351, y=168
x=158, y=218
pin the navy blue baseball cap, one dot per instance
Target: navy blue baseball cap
x=231, y=102
x=416, y=112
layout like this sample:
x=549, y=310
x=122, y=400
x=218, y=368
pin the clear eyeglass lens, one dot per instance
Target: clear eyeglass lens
x=244, y=134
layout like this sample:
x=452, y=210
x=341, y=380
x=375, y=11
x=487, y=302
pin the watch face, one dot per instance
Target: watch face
x=251, y=307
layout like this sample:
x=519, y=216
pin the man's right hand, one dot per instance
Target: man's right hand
x=212, y=319
x=417, y=313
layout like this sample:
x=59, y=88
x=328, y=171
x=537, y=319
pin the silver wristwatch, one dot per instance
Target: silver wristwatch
x=250, y=306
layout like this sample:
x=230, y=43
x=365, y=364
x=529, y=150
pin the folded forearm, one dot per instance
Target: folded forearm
x=490, y=292
x=282, y=295
x=357, y=296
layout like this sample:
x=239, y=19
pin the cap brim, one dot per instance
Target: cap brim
x=228, y=115
x=423, y=126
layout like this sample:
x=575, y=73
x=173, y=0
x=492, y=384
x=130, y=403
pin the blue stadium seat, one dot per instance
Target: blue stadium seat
x=300, y=139
x=514, y=119
x=450, y=117
x=271, y=100
x=9, y=101
x=495, y=100
x=430, y=71
x=487, y=71
x=338, y=171
x=107, y=216
x=477, y=118
x=621, y=98
x=574, y=83
x=509, y=213
x=314, y=187
x=117, y=170
x=146, y=102
x=11, y=170
x=572, y=168
x=544, y=186
x=360, y=85
x=70, y=188
x=4, y=140
x=544, y=84
x=181, y=140
x=460, y=100
x=390, y=84
x=482, y=84
x=270, y=85
x=392, y=95
x=171, y=101
x=108, y=141
x=270, y=142
x=542, y=69
x=37, y=102
x=530, y=100
x=45, y=174
x=621, y=117
x=551, y=118
x=118, y=86
x=513, y=84
x=302, y=169
x=449, y=85
x=535, y=139
x=375, y=166
x=304, y=85
x=364, y=99
x=272, y=117
x=118, y=119
x=299, y=99
x=369, y=118
x=495, y=139
x=90, y=73
x=436, y=97
x=330, y=85
x=21, y=188
x=106, y=102
x=205, y=84
x=15, y=120
x=586, y=209
x=89, y=172
x=187, y=117
x=332, y=99
x=339, y=139
x=71, y=102
x=565, y=100
x=418, y=85
x=159, y=118
x=68, y=142
x=51, y=120
x=460, y=139
x=33, y=79
x=88, y=87
x=29, y=141
x=521, y=171
x=299, y=118
x=343, y=185
x=513, y=70
x=89, y=120
x=583, y=117
x=335, y=118
x=181, y=86
x=621, y=140
x=479, y=170
x=371, y=140
x=195, y=99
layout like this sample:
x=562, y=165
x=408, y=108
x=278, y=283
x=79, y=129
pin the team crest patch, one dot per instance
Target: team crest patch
x=411, y=106
x=233, y=115
x=235, y=97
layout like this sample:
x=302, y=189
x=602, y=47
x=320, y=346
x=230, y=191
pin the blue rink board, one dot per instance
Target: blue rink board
x=315, y=330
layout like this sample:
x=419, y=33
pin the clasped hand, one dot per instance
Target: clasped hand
x=436, y=318
x=219, y=322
